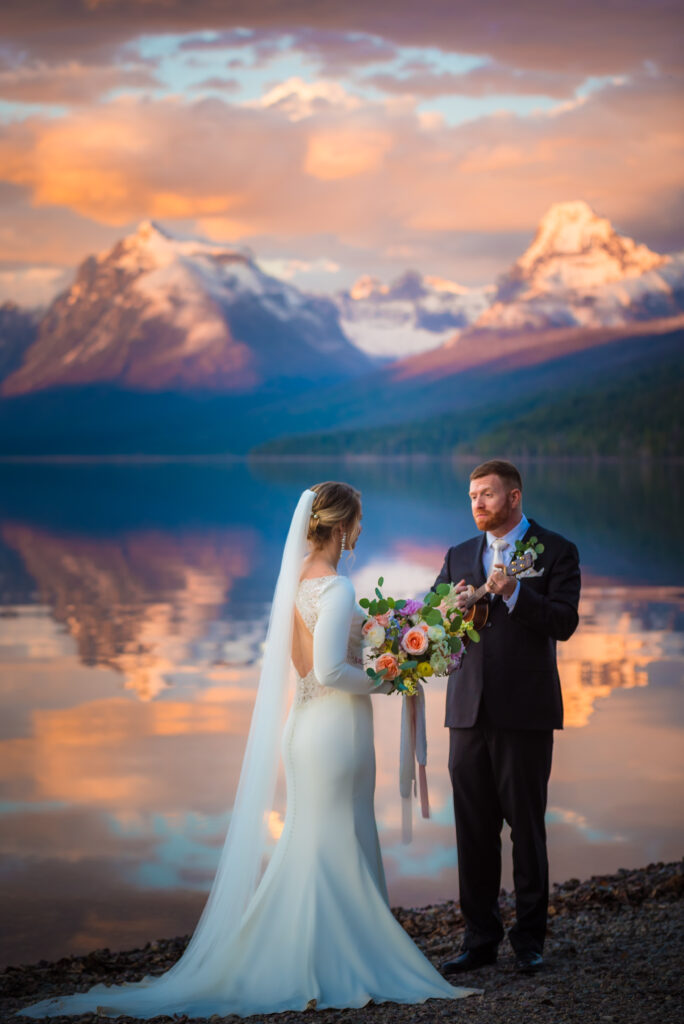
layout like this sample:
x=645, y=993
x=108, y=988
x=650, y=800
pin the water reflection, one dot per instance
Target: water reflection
x=133, y=603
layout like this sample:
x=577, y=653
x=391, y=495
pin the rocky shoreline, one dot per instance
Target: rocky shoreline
x=614, y=955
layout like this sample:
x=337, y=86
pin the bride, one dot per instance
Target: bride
x=317, y=929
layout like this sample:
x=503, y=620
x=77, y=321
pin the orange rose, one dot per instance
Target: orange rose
x=389, y=662
x=415, y=641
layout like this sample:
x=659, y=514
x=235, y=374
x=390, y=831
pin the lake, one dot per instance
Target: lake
x=134, y=599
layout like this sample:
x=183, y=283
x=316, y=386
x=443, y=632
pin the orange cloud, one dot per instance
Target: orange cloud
x=379, y=176
x=346, y=153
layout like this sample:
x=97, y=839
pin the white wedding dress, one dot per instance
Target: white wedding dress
x=318, y=926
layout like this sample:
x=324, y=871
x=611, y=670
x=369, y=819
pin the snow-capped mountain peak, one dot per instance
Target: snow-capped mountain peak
x=579, y=272
x=162, y=312
x=575, y=248
x=413, y=314
x=152, y=245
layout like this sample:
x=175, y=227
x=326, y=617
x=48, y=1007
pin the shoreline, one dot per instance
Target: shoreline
x=614, y=953
x=231, y=458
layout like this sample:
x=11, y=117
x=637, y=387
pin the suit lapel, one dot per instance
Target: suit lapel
x=478, y=570
x=533, y=530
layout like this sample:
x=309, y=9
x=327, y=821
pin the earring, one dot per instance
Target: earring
x=344, y=541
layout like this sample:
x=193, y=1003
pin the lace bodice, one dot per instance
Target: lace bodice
x=308, y=602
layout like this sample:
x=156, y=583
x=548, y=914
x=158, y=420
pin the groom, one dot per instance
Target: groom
x=503, y=704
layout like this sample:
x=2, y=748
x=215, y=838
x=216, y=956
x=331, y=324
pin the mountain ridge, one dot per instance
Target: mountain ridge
x=157, y=312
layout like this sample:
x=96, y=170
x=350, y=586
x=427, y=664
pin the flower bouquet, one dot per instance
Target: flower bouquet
x=405, y=642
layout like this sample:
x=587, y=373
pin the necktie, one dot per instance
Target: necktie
x=498, y=547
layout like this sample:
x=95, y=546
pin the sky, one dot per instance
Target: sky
x=332, y=139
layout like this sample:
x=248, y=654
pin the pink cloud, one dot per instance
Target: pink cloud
x=485, y=80
x=70, y=82
x=570, y=34
x=373, y=176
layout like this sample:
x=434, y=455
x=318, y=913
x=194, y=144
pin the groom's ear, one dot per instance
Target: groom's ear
x=515, y=494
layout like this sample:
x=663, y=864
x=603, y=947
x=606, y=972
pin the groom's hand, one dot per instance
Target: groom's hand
x=499, y=583
x=462, y=590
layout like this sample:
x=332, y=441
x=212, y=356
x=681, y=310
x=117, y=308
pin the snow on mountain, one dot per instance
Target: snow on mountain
x=578, y=272
x=160, y=312
x=412, y=315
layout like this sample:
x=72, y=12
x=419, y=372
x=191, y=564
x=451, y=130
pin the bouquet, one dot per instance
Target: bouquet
x=405, y=642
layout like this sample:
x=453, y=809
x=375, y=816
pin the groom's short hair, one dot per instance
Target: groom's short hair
x=509, y=473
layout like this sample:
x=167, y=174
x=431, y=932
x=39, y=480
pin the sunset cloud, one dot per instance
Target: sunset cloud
x=358, y=133
x=70, y=82
x=374, y=175
x=487, y=79
x=601, y=38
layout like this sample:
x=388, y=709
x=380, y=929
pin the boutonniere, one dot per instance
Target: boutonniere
x=533, y=547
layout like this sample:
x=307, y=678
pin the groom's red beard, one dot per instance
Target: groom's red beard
x=492, y=520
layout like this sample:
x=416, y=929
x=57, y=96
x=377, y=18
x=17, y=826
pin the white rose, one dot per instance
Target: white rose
x=436, y=632
x=373, y=634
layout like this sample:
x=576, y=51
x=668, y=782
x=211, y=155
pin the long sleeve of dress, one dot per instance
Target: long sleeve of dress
x=330, y=638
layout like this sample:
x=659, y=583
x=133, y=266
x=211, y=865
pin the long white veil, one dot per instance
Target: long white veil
x=204, y=962
x=243, y=850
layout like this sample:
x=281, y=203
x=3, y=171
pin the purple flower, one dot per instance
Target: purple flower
x=410, y=608
x=455, y=661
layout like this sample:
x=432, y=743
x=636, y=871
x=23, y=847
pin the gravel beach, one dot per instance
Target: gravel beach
x=614, y=955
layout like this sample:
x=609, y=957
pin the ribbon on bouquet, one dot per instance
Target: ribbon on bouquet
x=413, y=747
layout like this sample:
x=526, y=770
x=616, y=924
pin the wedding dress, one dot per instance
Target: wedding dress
x=318, y=925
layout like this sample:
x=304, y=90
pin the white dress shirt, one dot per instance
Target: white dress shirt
x=517, y=533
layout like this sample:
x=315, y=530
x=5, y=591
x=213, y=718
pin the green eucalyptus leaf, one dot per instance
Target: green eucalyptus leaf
x=381, y=580
x=364, y=602
x=383, y=607
x=539, y=548
x=442, y=589
x=399, y=604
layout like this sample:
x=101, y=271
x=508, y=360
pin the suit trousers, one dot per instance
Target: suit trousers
x=500, y=774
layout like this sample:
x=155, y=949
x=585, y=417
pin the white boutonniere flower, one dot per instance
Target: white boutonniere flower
x=533, y=547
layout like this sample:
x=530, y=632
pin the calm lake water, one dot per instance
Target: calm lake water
x=133, y=603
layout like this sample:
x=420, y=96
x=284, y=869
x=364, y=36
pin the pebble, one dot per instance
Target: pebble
x=597, y=965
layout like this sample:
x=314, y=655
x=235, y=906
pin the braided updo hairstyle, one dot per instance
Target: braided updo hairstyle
x=335, y=504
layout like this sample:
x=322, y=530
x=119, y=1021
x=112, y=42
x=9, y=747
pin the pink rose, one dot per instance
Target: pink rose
x=416, y=640
x=384, y=620
x=390, y=663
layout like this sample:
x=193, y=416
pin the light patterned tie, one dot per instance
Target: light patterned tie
x=498, y=547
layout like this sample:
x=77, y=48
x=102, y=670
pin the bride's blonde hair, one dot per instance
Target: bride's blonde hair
x=335, y=504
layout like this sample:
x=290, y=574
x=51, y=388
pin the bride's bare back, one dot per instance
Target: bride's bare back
x=302, y=641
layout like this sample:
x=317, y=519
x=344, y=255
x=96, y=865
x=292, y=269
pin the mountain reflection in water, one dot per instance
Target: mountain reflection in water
x=133, y=604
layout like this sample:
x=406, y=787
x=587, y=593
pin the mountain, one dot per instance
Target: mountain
x=411, y=315
x=159, y=313
x=578, y=272
x=179, y=346
x=18, y=329
x=622, y=398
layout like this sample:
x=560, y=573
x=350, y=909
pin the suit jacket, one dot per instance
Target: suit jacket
x=513, y=669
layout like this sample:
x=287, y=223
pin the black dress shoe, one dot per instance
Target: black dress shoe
x=528, y=961
x=470, y=960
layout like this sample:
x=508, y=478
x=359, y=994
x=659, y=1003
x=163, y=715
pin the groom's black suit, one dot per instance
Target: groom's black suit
x=503, y=704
